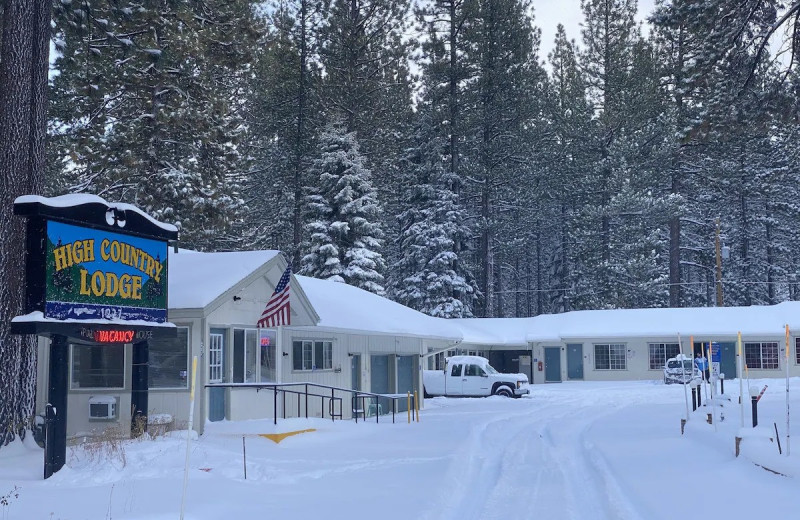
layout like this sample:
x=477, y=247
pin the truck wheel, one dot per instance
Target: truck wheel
x=504, y=391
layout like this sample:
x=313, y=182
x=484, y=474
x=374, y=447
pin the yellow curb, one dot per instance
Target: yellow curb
x=278, y=437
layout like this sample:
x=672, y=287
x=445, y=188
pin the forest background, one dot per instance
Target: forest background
x=428, y=151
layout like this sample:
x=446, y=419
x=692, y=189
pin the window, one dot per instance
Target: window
x=245, y=353
x=796, y=351
x=474, y=370
x=455, y=371
x=98, y=366
x=253, y=355
x=215, y=358
x=169, y=361
x=661, y=352
x=610, y=356
x=267, y=340
x=312, y=355
x=762, y=355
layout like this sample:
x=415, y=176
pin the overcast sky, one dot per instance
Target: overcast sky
x=549, y=13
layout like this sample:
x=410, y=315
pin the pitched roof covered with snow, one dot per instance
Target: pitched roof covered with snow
x=197, y=279
x=346, y=307
x=619, y=323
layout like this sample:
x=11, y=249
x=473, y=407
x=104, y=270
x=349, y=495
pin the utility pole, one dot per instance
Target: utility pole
x=719, y=266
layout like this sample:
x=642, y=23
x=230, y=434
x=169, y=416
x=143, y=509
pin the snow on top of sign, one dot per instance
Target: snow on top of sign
x=196, y=279
x=346, y=307
x=76, y=199
x=38, y=316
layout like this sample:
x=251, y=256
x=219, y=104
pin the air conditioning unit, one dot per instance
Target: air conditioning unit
x=102, y=407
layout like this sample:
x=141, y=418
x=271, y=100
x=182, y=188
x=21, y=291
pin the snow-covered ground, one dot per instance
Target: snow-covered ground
x=585, y=450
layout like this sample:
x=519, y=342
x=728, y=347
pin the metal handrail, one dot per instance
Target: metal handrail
x=284, y=388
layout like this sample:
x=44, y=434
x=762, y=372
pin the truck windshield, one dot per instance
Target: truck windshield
x=490, y=369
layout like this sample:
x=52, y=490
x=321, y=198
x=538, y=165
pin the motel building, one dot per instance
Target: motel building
x=343, y=337
x=339, y=339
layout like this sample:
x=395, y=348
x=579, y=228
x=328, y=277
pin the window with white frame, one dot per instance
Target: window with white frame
x=763, y=355
x=312, y=355
x=98, y=366
x=169, y=361
x=215, y=358
x=661, y=352
x=609, y=356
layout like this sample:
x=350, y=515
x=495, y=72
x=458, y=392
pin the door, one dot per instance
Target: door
x=574, y=360
x=727, y=363
x=475, y=381
x=216, y=374
x=452, y=380
x=379, y=384
x=552, y=364
x=405, y=379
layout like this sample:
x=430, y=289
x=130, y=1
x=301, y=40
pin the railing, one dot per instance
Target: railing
x=314, y=390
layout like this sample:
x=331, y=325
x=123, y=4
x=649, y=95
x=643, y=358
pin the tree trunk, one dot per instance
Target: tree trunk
x=23, y=87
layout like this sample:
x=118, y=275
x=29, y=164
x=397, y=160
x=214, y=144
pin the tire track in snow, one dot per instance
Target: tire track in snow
x=534, y=463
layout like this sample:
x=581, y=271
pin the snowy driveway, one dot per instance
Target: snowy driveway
x=571, y=451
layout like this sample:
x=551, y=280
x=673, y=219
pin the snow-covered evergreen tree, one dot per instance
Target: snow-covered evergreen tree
x=344, y=215
x=427, y=277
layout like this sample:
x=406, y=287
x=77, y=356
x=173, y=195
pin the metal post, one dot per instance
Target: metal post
x=139, y=404
x=275, y=405
x=694, y=398
x=306, y=401
x=49, y=419
x=722, y=384
x=56, y=455
x=754, y=401
x=699, y=397
x=332, y=410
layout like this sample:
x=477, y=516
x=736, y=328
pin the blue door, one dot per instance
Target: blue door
x=727, y=360
x=379, y=384
x=216, y=374
x=574, y=361
x=552, y=364
x=405, y=379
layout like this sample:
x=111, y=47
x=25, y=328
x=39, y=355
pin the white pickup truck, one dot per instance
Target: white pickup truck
x=472, y=376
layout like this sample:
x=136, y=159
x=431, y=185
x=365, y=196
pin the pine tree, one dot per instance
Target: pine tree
x=147, y=107
x=24, y=49
x=501, y=99
x=427, y=277
x=285, y=117
x=346, y=235
x=570, y=118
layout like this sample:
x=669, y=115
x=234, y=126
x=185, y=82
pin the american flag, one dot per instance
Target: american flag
x=277, y=311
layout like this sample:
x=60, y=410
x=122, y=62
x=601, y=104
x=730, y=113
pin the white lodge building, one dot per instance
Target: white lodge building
x=344, y=337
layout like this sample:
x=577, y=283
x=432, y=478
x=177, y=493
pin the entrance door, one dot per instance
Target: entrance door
x=405, y=379
x=216, y=374
x=379, y=384
x=574, y=360
x=727, y=360
x=552, y=364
